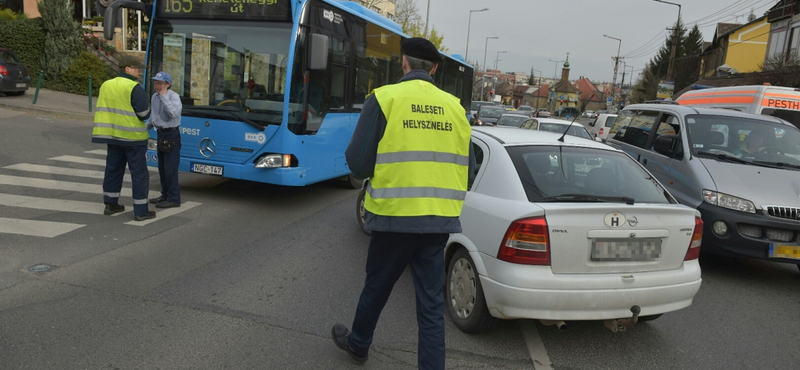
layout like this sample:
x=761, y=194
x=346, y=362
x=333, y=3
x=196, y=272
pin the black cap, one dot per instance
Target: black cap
x=130, y=61
x=420, y=48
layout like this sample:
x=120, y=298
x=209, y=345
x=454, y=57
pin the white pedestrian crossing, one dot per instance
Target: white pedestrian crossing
x=51, y=229
x=47, y=229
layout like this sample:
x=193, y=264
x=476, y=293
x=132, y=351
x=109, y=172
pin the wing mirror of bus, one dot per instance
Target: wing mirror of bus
x=112, y=13
x=318, y=60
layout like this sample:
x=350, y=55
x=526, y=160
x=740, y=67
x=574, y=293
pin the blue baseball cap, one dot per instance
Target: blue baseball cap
x=163, y=76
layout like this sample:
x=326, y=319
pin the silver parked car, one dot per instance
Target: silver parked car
x=602, y=125
x=742, y=171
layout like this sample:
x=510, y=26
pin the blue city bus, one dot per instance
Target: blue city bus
x=272, y=89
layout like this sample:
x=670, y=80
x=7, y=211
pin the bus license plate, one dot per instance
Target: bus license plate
x=778, y=250
x=607, y=250
x=206, y=169
x=22, y=85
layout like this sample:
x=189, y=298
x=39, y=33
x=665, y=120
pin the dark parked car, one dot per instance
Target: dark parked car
x=14, y=77
x=487, y=115
x=567, y=112
x=525, y=109
x=473, y=107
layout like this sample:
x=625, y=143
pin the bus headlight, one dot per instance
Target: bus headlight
x=275, y=161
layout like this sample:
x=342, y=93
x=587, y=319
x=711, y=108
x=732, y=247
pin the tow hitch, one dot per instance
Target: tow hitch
x=624, y=324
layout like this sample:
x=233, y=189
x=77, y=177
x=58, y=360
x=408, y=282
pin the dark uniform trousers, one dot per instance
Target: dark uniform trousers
x=168, y=166
x=135, y=158
x=388, y=256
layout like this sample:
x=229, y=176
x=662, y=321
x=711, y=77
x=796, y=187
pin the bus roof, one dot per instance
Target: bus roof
x=355, y=8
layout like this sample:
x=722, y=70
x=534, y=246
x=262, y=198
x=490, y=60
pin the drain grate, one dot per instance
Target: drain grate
x=40, y=268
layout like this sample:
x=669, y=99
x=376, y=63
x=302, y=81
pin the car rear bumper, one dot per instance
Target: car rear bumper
x=10, y=85
x=587, y=296
x=748, y=234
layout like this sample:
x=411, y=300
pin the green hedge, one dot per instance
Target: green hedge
x=76, y=79
x=26, y=38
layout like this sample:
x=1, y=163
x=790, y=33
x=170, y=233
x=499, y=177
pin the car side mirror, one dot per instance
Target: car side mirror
x=592, y=123
x=666, y=144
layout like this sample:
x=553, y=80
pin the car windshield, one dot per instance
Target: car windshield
x=553, y=172
x=8, y=57
x=225, y=66
x=493, y=112
x=753, y=140
x=574, y=130
x=515, y=121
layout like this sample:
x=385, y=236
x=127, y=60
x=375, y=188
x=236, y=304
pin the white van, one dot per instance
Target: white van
x=777, y=101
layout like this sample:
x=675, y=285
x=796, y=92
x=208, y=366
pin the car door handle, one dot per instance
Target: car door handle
x=644, y=161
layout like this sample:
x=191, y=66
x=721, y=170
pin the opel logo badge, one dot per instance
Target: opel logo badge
x=207, y=148
x=633, y=221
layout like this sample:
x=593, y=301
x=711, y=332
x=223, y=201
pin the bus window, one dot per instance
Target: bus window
x=792, y=116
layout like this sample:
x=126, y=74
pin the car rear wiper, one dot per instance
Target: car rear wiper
x=586, y=198
x=229, y=112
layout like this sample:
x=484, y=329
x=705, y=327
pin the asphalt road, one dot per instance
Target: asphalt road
x=253, y=276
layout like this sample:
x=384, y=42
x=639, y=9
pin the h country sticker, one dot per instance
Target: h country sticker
x=255, y=137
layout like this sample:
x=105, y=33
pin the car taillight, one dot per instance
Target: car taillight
x=526, y=242
x=3, y=71
x=601, y=130
x=697, y=240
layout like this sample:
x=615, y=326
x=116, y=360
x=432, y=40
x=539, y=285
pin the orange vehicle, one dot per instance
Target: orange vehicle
x=781, y=102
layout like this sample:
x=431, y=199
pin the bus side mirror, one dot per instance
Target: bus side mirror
x=112, y=13
x=318, y=58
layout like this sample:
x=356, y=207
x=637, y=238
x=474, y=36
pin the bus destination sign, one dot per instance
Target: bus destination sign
x=265, y=10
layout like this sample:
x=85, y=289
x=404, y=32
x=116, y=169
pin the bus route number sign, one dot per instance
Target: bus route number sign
x=267, y=10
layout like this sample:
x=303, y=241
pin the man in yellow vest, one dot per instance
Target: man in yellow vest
x=413, y=141
x=122, y=107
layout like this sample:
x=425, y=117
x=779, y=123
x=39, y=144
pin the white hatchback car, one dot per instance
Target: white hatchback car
x=558, y=126
x=572, y=230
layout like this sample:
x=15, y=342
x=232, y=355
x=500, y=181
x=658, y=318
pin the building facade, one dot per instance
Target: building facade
x=739, y=48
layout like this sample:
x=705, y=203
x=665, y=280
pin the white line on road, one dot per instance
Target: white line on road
x=60, y=205
x=45, y=229
x=97, y=151
x=61, y=171
x=161, y=214
x=85, y=160
x=64, y=185
x=541, y=361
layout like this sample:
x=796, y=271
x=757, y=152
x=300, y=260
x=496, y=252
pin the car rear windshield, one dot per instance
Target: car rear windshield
x=515, y=121
x=7, y=56
x=552, y=171
x=477, y=104
x=492, y=112
x=574, y=130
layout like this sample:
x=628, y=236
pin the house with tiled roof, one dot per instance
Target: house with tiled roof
x=591, y=97
x=564, y=93
x=537, y=97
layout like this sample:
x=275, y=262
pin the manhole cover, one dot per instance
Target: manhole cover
x=39, y=268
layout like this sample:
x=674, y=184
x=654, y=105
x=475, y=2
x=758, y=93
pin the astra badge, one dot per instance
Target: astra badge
x=207, y=148
x=614, y=220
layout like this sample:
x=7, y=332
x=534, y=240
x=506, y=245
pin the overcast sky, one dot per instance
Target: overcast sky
x=536, y=31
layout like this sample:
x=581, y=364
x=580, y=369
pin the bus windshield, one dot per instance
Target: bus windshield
x=223, y=69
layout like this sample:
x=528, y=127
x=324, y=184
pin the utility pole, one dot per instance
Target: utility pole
x=671, y=69
x=616, y=66
x=427, y=16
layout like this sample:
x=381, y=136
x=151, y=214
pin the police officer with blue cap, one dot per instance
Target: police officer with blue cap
x=165, y=117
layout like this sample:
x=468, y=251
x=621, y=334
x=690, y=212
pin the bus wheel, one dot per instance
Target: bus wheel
x=361, y=212
x=353, y=183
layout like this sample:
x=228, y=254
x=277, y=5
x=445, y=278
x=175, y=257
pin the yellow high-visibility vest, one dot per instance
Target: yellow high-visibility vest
x=423, y=158
x=115, y=118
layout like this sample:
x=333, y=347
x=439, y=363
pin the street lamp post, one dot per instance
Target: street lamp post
x=671, y=69
x=427, y=16
x=469, y=24
x=555, y=70
x=485, y=49
x=616, y=64
x=497, y=59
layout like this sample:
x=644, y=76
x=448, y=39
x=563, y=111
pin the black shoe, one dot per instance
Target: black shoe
x=158, y=200
x=113, y=208
x=148, y=216
x=166, y=204
x=340, y=334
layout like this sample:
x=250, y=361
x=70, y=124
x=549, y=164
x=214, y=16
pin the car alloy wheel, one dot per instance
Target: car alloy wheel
x=466, y=304
x=462, y=288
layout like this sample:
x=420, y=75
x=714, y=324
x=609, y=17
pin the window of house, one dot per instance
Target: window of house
x=777, y=42
x=794, y=42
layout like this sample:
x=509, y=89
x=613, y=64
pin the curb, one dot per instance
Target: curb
x=88, y=117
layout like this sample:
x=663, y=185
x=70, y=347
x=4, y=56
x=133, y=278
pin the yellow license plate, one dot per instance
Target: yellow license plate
x=784, y=251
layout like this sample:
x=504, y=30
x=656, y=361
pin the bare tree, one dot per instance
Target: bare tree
x=784, y=69
x=406, y=13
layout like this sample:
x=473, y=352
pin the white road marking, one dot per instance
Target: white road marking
x=97, y=151
x=45, y=229
x=61, y=171
x=64, y=185
x=49, y=204
x=541, y=361
x=166, y=212
x=91, y=161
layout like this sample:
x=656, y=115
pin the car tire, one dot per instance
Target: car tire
x=649, y=318
x=350, y=182
x=464, y=298
x=361, y=211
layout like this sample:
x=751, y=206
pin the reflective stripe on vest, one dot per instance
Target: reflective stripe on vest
x=423, y=157
x=115, y=117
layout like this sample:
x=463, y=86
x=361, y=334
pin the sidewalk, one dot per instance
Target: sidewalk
x=52, y=103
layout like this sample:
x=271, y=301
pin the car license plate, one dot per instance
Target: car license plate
x=22, y=85
x=644, y=249
x=777, y=250
x=206, y=169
